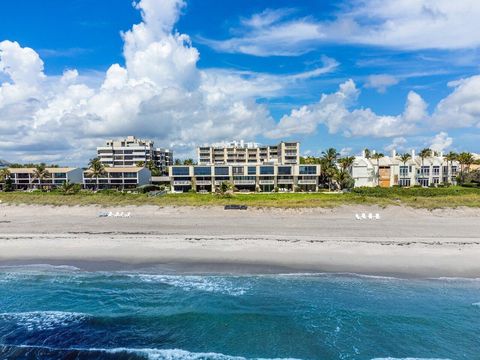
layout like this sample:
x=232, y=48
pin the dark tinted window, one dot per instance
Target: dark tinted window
x=184, y=170
x=202, y=170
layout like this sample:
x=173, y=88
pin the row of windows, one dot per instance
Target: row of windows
x=240, y=170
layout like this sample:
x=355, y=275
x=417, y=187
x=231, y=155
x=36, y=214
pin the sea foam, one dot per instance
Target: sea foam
x=43, y=320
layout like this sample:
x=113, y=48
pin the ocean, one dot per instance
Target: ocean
x=61, y=312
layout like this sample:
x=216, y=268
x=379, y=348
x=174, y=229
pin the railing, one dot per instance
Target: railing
x=307, y=182
x=204, y=182
x=285, y=181
x=266, y=182
x=244, y=182
x=182, y=182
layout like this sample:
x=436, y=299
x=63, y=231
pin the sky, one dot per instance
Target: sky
x=347, y=74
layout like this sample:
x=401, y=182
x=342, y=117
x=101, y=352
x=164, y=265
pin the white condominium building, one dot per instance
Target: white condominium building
x=390, y=170
x=25, y=178
x=130, y=151
x=240, y=152
x=256, y=177
x=128, y=177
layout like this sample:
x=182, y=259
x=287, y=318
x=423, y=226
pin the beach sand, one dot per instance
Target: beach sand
x=404, y=242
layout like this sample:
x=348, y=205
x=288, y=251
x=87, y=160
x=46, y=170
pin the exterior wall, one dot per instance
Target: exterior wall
x=249, y=153
x=118, y=178
x=253, y=177
x=391, y=171
x=130, y=151
x=23, y=178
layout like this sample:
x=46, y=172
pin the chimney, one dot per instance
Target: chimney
x=441, y=154
x=363, y=153
x=394, y=153
x=413, y=153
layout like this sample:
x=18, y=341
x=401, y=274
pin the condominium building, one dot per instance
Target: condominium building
x=257, y=177
x=128, y=177
x=240, y=152
x=390, y=170
x=25, y=178
x=130, y=151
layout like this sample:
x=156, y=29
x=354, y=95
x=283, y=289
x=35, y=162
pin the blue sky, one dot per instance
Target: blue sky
x=283, y=55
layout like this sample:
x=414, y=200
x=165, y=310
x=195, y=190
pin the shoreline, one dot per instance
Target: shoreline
x=405, y=243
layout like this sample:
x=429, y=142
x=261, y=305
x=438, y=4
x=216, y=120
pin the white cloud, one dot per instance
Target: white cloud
x=397, y=144
x=462, y=107
x=441, y=142
x=334, y=111
x=381, y=82
x=410, y=24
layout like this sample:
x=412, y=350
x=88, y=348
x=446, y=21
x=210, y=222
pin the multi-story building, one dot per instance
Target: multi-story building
x=24, y=178
x=240, y=152
x=128, y=177
x=253, y=177
x=130, y=151
x=390, y=170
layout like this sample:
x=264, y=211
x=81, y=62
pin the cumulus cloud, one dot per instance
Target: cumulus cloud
x=397, y=144
x=411, y=25
x=441, y=142
x=336, y=113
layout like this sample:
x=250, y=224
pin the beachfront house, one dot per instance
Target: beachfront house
x=390, y=170
x=117, y=178
x=247, y=178
x=26, y=178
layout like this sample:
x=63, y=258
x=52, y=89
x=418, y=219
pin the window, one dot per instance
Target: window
x=436, y=170
x=237, y=170
x=425, y=170
x=305, y=170
x=252, y=170
x=222, y=171
x=404, y=182
x=284, y=170
x=202, y=170
x=182, y=171
x=436, y=180
x=403, y=170
x=266, y=170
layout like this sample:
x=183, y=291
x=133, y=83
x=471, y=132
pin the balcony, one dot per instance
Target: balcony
x=204, y=182
x=284, y=181
x=244, y=182
x=307, y=182
x=266, y=182
x=182, y=182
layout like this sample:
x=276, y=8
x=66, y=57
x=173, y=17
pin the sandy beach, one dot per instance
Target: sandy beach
x=404, y=242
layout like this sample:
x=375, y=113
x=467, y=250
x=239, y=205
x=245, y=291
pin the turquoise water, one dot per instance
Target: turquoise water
x=51, y=312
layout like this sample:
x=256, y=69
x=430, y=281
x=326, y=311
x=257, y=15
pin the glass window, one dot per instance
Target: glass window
x=403, y=170
x=266, y=170
x=237, y=170
x=252, y=170
x=221, y=170
x=183, y=170
x=308, y=170
x=284, y=170
x=202, y=170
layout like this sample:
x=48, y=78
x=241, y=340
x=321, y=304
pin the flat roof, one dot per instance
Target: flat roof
x=51, y=170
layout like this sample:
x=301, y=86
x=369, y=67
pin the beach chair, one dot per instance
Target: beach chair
x=358, y=217
x=110, y=214
x=377, y=216
x=127, y=215
x=370, y=216
x=117, y=214
x=364, y=216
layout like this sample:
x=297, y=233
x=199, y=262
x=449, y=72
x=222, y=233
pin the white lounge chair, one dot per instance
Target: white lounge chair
x=127, y=215
x=370, y=216
x=117, y=214
x=364, y=216
x=358, y=217
x=110, y=214
x=377, y=216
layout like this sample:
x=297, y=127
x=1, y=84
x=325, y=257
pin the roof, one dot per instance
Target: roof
x=122, y=169
x=51, y=170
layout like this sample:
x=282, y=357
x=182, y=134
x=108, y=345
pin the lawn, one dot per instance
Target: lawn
x=430, y=198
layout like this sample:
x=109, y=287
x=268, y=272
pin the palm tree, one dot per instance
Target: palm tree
x=378, y=156
x=367, y=152
x=346, y=162
x=69, y=188
x=188, y=162
x=4, y=175
x=404, y=158
x=40, y=173
x=425, y=153
x=450, y=157
x=96, y=169
x=327, y=163
x=465, y=159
